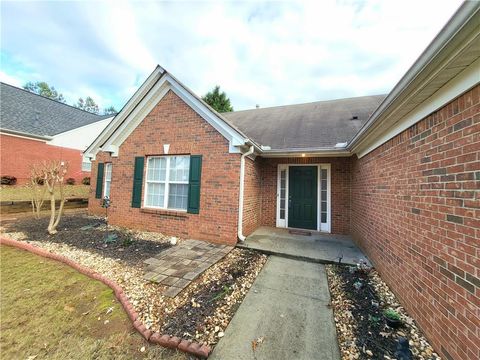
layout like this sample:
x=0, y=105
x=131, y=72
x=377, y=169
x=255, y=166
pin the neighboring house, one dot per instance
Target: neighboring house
x=400, y=173
x=34, y=128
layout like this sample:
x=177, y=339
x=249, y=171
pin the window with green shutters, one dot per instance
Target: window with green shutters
x=171, y=182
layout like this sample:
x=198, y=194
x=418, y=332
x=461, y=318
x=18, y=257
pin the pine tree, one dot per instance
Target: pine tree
x=218, y=100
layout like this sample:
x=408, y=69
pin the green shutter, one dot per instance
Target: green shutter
x=99, y=189
x=138, y=182
x=194, y=184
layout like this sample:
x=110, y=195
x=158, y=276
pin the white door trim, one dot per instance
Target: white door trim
x=283, y=223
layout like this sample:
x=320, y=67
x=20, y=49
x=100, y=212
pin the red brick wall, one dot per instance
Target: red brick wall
x=416, y=213
x=340, y=189
x=174, y=122
x=252, y=197
x=17, y=155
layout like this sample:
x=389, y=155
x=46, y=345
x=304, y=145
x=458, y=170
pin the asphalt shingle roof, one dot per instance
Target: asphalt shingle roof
x=23, y=111
x=311, y=125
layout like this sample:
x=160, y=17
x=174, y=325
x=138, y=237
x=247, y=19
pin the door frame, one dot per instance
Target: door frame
x=283, y=223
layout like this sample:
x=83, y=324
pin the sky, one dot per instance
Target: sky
x=265, y=53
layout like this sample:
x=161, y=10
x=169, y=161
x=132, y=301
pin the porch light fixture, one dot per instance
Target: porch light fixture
x=303, y=155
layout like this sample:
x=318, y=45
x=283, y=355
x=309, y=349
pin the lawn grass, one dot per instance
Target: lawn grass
x=19, y=192
x=49, y=310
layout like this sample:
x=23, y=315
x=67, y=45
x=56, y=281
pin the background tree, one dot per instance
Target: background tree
x=110, y=111
x=43, y=89
x=218, y=100
x=88, y=105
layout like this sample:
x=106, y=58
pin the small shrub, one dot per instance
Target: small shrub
x=391, y=314
x=8, y=180
x=127, y=241
x=70, y=181
x=86, y=180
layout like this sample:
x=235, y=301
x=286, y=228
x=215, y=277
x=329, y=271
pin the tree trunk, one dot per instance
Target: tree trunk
x=51, y=229
x=60, y=210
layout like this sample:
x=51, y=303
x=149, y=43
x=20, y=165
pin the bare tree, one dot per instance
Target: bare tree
x=37, y=190
x=52, y=174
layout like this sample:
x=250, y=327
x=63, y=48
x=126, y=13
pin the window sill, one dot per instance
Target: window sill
x=173, y=213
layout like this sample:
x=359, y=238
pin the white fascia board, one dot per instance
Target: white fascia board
x=464, y=81
x=92, y=150
x=305, y=153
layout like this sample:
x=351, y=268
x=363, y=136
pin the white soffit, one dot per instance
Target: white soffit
x=464, y=81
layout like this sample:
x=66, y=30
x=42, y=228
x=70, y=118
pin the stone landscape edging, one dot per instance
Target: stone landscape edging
x=167, y=341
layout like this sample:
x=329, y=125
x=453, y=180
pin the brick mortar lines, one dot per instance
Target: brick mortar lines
x=167, y=341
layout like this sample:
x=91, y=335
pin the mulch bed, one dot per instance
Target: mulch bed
x=201, y=312
x=189, y=320
x=359, y=299
x=89, y=233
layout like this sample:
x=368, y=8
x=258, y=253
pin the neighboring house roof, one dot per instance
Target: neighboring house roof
x=25, y=112
x=315, y=124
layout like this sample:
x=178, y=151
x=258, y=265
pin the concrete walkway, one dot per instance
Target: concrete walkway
x=317, y=247
x=287, y=305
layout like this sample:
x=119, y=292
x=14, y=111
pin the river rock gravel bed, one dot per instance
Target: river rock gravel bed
x=200, y=312
x=359, y=298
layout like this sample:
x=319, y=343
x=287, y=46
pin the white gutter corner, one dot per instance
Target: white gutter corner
x=242, y=237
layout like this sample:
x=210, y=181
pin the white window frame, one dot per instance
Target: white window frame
x=283, y=223
x=167, y=183
x=109, y=180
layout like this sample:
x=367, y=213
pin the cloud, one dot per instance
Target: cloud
x=270, y=53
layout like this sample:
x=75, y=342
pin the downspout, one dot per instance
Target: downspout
x=241, y=237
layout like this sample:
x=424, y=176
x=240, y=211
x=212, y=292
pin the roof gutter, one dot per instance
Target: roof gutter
x=24, y=134
x=304, y=152
x=466, y=11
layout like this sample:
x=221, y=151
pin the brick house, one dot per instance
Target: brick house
x=34, y=128
x=399, y=172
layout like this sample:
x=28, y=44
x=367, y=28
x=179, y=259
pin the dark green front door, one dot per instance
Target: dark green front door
x=302, y=197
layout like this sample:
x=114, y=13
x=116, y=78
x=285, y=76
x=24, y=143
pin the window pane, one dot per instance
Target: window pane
x=157, y=169
x=324, y=195
x=155, y=194
x=323, y=174
x=324, y=184
x=177, y=199
x=107, y=189
x=108, y=171
x=282, y=214
x=324, y=218
x=179, y=168
x=282, y=203
x=323, y=206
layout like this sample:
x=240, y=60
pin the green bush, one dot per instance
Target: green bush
x=391, y=314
